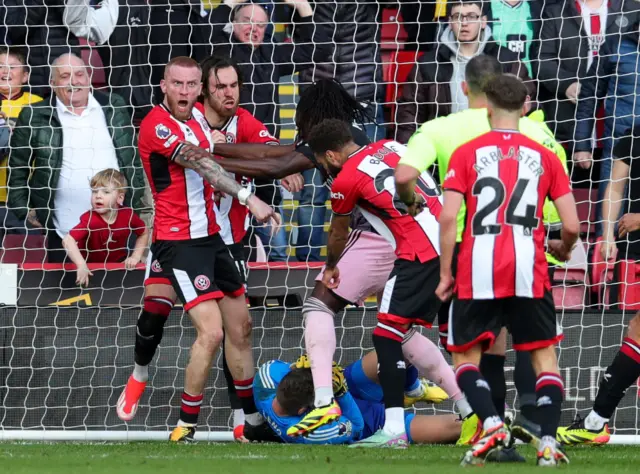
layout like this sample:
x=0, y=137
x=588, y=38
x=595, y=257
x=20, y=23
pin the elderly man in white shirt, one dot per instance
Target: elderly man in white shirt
x=85, y=133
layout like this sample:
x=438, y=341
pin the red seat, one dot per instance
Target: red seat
x=570, y=282
x=21, y=248
x=586, y=203
x=629, y=290
x=600, y=275
x=392, y=34
x=400, y=65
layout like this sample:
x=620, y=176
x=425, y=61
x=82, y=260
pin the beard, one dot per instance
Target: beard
x=223, y=111
x=174, y=108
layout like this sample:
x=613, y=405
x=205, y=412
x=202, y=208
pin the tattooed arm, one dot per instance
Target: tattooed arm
x=213, y=173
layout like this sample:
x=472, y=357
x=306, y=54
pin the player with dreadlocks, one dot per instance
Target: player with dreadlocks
x=364, y=267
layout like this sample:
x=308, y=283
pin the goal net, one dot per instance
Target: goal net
x=66, y=353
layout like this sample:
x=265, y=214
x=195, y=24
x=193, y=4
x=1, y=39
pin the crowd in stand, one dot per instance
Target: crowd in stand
x=579, y=59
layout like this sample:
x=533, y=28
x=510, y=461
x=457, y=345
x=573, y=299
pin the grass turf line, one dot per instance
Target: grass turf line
x=22, y=458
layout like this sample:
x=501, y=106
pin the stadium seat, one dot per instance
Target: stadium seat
x=23, y=248
x=586, y=203
x=629, y=291
x=571, y=281
x=600, y=274
x=400, y=65
x=392, y=34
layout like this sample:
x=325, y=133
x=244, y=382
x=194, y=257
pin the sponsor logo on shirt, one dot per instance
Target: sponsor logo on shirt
x=162, y=131
x=337, y=196
x=450, y=174
x=265, y=134
x=170, y=141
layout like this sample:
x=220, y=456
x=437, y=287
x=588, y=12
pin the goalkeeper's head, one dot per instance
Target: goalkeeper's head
x=295, y=393
x=327, y=99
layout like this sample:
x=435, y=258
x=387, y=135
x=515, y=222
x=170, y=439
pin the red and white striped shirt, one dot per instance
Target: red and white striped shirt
x=184, y=205
x=232, y=216
x=505, y=178
x=366, y=181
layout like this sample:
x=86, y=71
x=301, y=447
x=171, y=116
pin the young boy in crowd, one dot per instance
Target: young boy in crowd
x=103, y=232
x=14, y=74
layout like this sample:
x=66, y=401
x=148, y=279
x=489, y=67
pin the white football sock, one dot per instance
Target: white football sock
x=463, y=407
x=238, y=417
x=492, y=422
x=141, y=373
x=324, y=395
x=255, y=419
x=394, y=421
x=594, y=421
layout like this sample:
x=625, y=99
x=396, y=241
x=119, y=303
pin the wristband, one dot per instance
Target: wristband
x=243, y=196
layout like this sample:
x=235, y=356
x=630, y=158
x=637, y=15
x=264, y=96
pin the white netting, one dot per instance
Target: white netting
x=62, y=368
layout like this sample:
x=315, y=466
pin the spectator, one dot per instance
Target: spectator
x=515, y=24
x=103, y=232
x=263, y=63
x=625, y=174
x=52, y=28
x=13, y=76
x=434, y=85
x=59, y=144
x=125, y=57
x=354, y=29
x=177, y=28
x=571, y=35
x=613, y=76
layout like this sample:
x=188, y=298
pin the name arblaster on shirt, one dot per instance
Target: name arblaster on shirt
x=524, y=155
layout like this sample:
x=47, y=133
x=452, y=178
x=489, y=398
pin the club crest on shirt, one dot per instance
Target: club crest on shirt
x=162, y=131
x=231, y=138
x=202, y=282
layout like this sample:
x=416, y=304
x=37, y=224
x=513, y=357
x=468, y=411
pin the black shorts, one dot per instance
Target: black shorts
x=531, y=322
x=198, y=269
x=239, y=255
x=409, y=296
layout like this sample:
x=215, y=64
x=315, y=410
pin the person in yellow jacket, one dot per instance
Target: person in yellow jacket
x=14, y=75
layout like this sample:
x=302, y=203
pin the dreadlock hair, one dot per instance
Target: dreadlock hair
x=328, y=99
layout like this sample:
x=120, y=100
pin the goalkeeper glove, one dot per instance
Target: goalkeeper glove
x=303, y=362
x=338, y=380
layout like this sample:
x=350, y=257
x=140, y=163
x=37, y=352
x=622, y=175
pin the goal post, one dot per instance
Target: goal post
x=66, y=353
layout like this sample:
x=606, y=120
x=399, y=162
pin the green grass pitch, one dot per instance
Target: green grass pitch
x=140, y=458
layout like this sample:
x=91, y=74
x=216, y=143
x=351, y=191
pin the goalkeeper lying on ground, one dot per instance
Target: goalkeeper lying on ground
x=284, y=394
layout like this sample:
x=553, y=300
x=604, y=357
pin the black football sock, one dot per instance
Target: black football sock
x=549, y=393
x=391, y=365
x=234, y=399
x=524, y=378
x=623, y=371
x=492, y=369
x=150, y=328
x=190, y=409
x=478, y=392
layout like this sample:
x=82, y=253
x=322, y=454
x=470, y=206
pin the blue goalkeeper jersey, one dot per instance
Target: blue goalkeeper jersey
x=347, y=429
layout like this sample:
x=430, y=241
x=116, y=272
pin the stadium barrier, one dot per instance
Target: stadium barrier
x=62, y=368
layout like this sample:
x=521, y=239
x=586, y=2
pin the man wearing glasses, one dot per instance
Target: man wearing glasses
x=434, y=85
